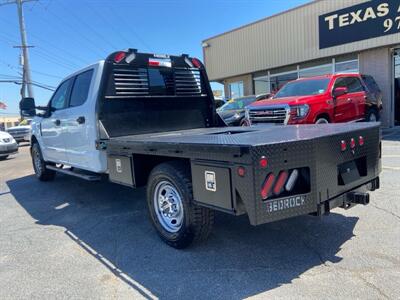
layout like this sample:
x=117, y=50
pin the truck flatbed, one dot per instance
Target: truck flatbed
x=240, y=136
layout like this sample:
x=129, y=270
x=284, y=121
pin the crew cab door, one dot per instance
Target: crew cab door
x=345, y=108
x=80, y=123
x=358, y=96
x=52, y=125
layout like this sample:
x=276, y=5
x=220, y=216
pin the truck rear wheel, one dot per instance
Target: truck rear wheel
x=178, y=221
x=39, y=165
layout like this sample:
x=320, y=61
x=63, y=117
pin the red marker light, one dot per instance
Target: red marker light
x=266, y=187
x=343, y=145
x=154, y=63
x=241, y=171
x=280, y=182
x=196, y=63
x=263, y=162
x=361, y=140
x=119, y=57
x=352, y=143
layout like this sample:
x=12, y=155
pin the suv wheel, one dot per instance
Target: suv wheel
x=39, y=165
x=372, y=115
x=322, y=120
x=3, y=157
x=178, y=221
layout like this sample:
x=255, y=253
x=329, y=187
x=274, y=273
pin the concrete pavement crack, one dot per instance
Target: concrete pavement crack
x=387, y=211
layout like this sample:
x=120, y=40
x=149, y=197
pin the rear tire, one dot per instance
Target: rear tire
x=3, y=157
x=178, y=221
x=39, y=165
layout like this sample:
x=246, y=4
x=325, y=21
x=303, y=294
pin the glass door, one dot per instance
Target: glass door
x=397, y=87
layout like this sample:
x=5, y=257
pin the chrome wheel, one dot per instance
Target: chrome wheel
x=372, y=117
x=322, y=121
x=168, y=206
x=37, y=161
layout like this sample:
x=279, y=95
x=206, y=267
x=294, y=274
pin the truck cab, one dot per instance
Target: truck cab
x=323, y=99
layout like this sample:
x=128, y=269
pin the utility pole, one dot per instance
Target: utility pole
x=26, y=77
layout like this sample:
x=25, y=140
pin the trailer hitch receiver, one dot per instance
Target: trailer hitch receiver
x=358, y=198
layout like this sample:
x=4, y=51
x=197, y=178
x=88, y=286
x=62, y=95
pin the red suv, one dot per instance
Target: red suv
x=322, y=99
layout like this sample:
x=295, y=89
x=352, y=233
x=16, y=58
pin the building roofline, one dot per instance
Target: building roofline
x=261, y=20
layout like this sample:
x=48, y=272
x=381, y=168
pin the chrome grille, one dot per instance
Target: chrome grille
x=187, y=82
x=131, y=82
x=275, y=115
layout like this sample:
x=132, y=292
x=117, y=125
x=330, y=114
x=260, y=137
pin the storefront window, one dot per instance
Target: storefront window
x=236, y=89
x=278, y=81
x=347, y=67
x=316, y=71
x=261, y=85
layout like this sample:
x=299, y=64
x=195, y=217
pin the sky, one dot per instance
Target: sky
x=68, y=35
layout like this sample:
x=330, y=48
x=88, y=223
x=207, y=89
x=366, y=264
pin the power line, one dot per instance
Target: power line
x=77, y=31
x=113, y=11
x=87, y=25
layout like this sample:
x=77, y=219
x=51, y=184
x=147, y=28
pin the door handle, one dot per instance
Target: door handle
x=81, y=120
x=349, y=100
x=57, y=122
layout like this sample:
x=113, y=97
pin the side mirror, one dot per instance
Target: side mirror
x=27, y=107
x=340, y=91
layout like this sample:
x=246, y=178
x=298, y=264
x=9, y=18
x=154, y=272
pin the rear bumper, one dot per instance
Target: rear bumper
x=326, y=163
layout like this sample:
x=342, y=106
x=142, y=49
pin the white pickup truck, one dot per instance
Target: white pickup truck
x=150, y=120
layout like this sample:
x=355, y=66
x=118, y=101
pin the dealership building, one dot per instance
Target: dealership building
x=320, y=37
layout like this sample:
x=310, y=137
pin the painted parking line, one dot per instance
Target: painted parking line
x=391, y=168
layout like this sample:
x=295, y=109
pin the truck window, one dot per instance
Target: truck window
x=80, y=89
x=353, y=84
x=371, y=84
x=161, y=81
x=60, y=97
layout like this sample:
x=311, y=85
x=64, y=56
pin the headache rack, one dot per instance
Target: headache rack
x=141, y=77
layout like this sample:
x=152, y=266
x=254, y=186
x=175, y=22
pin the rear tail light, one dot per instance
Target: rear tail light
x=343, y=145
x=119, y=57
x=361, y=140
x=267, y=186
x=292, y=180
x=263, y=162
x=280, y=182
x=352, y=143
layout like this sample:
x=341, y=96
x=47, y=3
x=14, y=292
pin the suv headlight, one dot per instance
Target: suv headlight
x=299, y=111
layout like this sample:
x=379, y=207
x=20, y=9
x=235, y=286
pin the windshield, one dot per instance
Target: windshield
x=25, y=122
x=238, y=103
x=303, y=88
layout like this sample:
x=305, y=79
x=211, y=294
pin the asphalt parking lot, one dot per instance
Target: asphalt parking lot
x=73, y=239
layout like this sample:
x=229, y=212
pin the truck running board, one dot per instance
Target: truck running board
x=88, y=177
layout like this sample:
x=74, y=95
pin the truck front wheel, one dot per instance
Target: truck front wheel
x=178, y=221
x=39, y=165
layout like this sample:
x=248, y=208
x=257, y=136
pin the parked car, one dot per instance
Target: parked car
x=134, y=118
x=322, y=99
x=8, y=145
x=21, y=133
x=219, y=101
x=233, y=111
